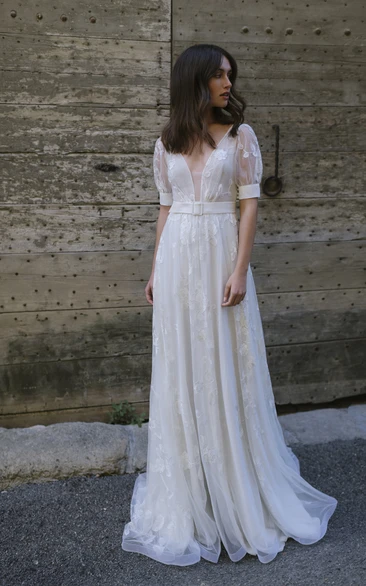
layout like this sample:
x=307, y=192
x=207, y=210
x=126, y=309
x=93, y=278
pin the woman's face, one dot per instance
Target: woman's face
x=220, y=85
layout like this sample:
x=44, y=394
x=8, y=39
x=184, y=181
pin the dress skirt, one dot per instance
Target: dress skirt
x=218, y=468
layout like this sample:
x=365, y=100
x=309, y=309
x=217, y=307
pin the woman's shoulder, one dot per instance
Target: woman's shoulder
x=159, y=145
x=246, y=134
x=245, y=128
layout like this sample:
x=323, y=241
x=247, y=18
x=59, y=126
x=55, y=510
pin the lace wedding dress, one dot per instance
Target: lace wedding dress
x=218, y=468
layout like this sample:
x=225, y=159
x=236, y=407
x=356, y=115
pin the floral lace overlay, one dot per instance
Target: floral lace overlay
x=218, y=468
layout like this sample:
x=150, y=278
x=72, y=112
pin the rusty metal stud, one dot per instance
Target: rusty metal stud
x=347, y=32
x=245, y=29
x=289, y=31
x=93, y=19
x=39, y=16
x=13, y=13
x=318, y=31
x=269, y=30
x=63, y=17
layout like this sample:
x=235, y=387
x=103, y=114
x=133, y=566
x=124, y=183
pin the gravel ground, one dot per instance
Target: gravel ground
x=68, y=533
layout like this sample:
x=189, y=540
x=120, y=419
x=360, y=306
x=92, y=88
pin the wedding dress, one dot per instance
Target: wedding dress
x=218, y=468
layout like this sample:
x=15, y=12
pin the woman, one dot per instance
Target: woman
x=218, y=468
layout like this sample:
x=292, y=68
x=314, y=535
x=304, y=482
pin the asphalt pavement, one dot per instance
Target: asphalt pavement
x=68, y=533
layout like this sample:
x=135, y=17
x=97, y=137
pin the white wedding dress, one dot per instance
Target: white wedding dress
x=218, y=468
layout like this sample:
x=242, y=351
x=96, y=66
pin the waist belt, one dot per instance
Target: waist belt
x=203, y=207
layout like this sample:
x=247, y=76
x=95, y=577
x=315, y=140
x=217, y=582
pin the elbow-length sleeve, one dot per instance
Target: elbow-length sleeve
x=249, y=166
x=161, y=174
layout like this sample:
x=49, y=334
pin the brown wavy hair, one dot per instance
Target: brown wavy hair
x=190, y=99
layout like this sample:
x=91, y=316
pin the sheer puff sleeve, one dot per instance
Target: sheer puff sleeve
x=161, y=174
x=249, y=166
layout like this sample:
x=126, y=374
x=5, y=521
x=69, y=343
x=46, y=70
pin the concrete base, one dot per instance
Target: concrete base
x=43, y=453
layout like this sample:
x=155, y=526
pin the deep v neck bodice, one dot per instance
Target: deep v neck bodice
x=197, y=176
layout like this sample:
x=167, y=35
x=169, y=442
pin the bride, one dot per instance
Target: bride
x=218, y=468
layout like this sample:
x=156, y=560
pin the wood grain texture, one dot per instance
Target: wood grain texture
x=62, y=129
x=318, y=372
x=79, y=117
x=99, y=413
x=95, y=228
x=43, y=386
x=85, y=280
x=288, y=318
x=49, y=129
x=77, y=179
x=78, y=206
x=30, y=337
x=128, y=178
x=129, y=19
x=224, y=22
x=70, y=71
x=301, y=373
x=302, y=74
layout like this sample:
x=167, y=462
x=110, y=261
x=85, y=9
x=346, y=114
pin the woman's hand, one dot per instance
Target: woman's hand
x=149, y=290
x=235, y=289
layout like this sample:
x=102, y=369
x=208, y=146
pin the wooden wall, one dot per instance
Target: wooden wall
x=302, y=66
x=84, y=94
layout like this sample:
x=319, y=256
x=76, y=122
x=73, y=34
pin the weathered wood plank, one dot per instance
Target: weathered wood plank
x=343, y=54
x=79, y=129
x=146, y=88
x=86, y=414
x=303, y=373
x=91, y=228
x=47, y=281
x=62, y=116
x=128, y=19
x=75, y=179
x=318, y=372
x=72, y=384
x=301, y=74
x=310, y=316
x=224, y=22
x=67, y=335
x=298, y=92
x=288, y=318
x=78, y=280
x=56, y=130
x=73, y=71
x=291, y=220
x=74, y=228
x=62, y=54
x=305, y=266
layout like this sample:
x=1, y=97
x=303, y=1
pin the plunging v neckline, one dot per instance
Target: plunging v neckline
x=209, y=157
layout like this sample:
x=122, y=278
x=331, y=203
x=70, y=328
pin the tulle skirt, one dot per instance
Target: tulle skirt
x=218, y=468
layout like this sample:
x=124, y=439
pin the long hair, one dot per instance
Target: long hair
x=190, y=99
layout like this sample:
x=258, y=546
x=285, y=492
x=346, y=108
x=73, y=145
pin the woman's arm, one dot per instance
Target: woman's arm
x=247, y=229
x=248, y=175
x=166, y=200
x=160, y=223
x=236, y=286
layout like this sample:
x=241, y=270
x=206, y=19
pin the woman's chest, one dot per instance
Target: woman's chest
x=217, y=164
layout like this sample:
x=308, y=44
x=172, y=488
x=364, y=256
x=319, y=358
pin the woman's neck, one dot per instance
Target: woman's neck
x=210, y=120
